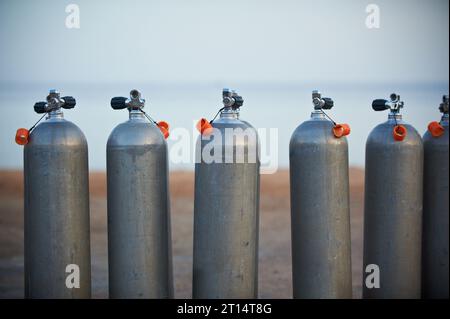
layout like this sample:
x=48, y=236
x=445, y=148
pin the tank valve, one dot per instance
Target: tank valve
x=325, y=103
x=54, y=102
x=394, y=104
x=435, y=128
x=321, y=103
x=443, y=107
x=135, y=102
x=232, y=99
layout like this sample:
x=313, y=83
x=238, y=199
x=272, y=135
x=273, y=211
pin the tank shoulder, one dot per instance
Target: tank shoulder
x=139, y=133
x=230, y=133
x=57, y=132
x=238, y=128
x=232, y=123
x=441, y=140
x=315, y=132
x=248, y=125
x=382, y=133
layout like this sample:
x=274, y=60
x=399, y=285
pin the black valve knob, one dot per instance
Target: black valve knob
x=238, y=102
x=328, y=103
x=380, y=105
x=443, y=108
x=40, y=107
x=69, y=102
x=118, y=103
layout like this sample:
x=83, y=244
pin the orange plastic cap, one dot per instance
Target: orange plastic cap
x=436, y=129
x=164, y=128
x=340, y=130
x=204, y=127
x=163, y=124
x=22, y=136
x=399, y=132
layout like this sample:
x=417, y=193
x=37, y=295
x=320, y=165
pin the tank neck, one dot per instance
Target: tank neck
x=229, y=113
x=136, y=115
x=55, y=115
x=394, y=117
x=444, y=120
x=317, y=115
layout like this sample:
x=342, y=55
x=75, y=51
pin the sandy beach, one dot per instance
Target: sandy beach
x=275, y=233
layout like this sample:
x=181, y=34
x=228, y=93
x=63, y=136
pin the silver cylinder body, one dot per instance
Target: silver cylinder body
x=435, y=215
x=139, y=237
x=393, y=211
x=56, y=210
x=226, y=211
x=320, y=211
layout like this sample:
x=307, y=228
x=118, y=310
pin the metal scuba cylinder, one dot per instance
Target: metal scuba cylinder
x=393, y=206
x=436, y=208
x=226, y=206
x=139, y=235
x=320, y=211
x=57, y=234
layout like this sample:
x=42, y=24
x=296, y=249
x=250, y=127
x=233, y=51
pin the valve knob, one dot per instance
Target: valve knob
x=40, y=107
x=443, y=108
x=328, y=103
x=69, y=102
x=380, y=105
x=238, y=102
x=118, y=103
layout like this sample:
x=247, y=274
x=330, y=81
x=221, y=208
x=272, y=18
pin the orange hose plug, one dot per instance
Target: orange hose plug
x=204, y=127
x=436, y=129
x=340, y=130
x=399, y=132
x=164, y=128
x=22, y=136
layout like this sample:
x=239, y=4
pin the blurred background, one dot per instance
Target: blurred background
x=180, y=54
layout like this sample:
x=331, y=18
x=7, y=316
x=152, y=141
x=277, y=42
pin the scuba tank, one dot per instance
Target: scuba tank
x=393, y=206
x=139, y=236
x=226, y=206
x=435, y=208
x=56, y=220
x=320, y=209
